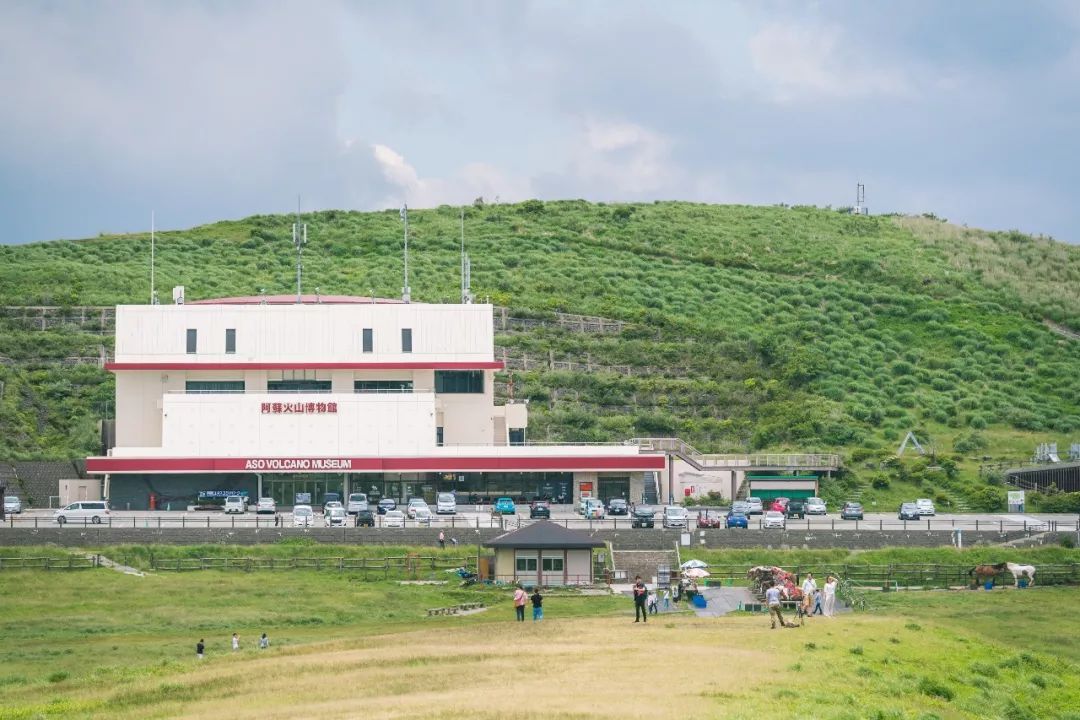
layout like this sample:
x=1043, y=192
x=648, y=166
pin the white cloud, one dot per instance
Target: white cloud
x=473, y=180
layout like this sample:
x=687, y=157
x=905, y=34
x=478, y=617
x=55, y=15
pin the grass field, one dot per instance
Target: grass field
x=98, y=644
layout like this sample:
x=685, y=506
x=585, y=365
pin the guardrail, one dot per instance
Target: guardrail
x=706, y=460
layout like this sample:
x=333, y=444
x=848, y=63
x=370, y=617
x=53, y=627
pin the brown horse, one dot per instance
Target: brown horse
x=982, y=573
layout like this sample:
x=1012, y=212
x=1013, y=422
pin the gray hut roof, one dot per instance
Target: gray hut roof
x=544, y=534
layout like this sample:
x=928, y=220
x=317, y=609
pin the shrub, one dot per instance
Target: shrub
x=936, y=688
x=971, y=442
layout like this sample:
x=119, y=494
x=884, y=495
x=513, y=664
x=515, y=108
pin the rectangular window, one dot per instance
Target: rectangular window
x=439, y=436
x=230, y=341
x=213, y=386
x=406, y=340
x=553, y=564
x=192, y=340
x=459, y=381
x=517, y=436
x=298, y=386
x=382, y=386
x=526, y=564
x=369, y=339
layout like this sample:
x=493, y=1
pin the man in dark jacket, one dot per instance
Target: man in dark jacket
x=640, y=594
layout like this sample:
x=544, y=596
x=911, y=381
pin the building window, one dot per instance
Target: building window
x=517, y=436
x=459, y=381
x=553, y=564
x=298, y=386
x=230, y=341
x=193, y=387
x=192, y=340
x=526, y=564
x=406, y=340
x=439, y=436
x=369, y=339
x=382, y=386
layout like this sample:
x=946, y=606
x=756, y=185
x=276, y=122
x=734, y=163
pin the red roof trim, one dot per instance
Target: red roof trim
x=473, y=365
x=100, y=465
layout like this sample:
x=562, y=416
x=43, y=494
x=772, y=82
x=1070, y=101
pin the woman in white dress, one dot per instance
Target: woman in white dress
x=830, y=596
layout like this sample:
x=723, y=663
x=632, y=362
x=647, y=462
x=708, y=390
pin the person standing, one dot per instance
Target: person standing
x=772, y=599
x=641, y=593
x=667, y=598
x=442, y=540
x=538, y=604
x=520, y=598
x=809, y=587
x=830, y=596
x=200, y=648
x=653, y=602
x=235, y=642
x=264, y=642
x=818, y=600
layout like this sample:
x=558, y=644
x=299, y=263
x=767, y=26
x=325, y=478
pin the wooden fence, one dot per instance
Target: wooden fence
x=904, y=575
x=71, y=562
x=413, y=567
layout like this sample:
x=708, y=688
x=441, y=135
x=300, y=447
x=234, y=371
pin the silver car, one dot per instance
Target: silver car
x=335, y=517
x=756, y=507
x=12, y=504
x=303, y=516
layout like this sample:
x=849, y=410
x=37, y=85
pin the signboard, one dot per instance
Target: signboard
x=303, y=498
x=221, y=493
x=1016, y=501
x=586, y=487
x=298, y=464
x=297, y=408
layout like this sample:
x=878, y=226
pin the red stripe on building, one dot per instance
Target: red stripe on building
x=101, y=465
x=477, y=365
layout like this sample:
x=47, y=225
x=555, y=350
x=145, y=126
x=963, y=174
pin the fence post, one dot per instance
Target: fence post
x=976, y=524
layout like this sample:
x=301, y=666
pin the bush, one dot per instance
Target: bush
x=971, y=442
x=936, y=688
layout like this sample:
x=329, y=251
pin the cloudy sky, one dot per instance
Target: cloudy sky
x=211, y=110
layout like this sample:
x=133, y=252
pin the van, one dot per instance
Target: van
x=446, y=504
x=236, y=504
x=93, y=510
x=358, y=502
x=675, y=517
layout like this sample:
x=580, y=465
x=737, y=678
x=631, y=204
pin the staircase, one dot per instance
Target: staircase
x=650, y=496
x=646, y=563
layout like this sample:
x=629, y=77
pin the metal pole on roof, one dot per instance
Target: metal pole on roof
x=406, y=292
x=299, y=236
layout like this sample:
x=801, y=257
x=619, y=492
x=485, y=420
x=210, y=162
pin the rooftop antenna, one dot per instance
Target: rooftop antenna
x=860, y=200
x=153, y=291
x=406, y=292
x=466, y=267
x=299, y=238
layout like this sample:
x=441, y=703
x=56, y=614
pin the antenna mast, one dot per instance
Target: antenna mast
x=406, y=292
x=153, y=292
x=299, y=238
x=466, y=267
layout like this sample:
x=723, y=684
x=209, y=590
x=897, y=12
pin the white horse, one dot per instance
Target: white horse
x=1019, y=571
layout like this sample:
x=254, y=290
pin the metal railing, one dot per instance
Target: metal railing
x=704, y=460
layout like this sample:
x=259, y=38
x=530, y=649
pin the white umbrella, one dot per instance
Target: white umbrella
x=690, y=564
x=696, y=573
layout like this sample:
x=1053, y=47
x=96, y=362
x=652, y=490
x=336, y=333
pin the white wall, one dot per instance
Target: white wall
x=304, y=333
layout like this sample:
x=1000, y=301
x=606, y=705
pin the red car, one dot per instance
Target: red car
x=708, y=519
x=780, y=504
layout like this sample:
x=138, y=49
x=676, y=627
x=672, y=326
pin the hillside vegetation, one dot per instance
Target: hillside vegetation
x=767, y=327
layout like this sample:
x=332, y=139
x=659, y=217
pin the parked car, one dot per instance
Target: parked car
x=851, y=511
x=926, y=506
x=265, y=506
x=93, y=510
x=709, y=519
x=796, y=508
x=335, y=517
x=422, y=515
x=236, y=504
x=394, y=519
x=364, y=518
x=594, y=509
x=675, y=517
x=775, y=520
x=779, y=504
x=303, y=516
x=414, y=505
x=737, y=520
x=740, y=506
x=755, y=506
x=908, y=511
x=446, y=504
x=12, y=504
x=357, y=502
x=385, y=505
x=618, y=506
x=643, y=517
x=816, y=506
x=331, y=504
x=504, y=506
x=540, y=509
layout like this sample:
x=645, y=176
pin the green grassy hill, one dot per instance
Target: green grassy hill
x=766, y=327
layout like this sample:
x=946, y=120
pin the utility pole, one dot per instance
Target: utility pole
x=153, y=291
x=299, y=238
x=406, y=292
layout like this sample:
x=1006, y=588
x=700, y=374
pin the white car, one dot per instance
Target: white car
x=93, y=510
x=394, y=519
x=358, y=502
x=755, y=506
x=330, y=505
x=12, y=504
x=775, y=519
x=926, y=506
x=414, y=505
x=675, y=517
x=816, y=506
x=265, y=506
x=422, y=516
x=303, y=516
x=446, y=504
x=236, y=504
x=335, y=516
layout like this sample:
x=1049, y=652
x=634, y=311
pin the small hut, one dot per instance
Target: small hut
x=546, y=554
